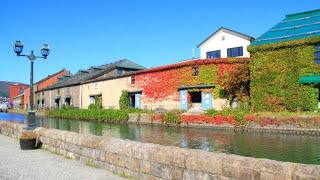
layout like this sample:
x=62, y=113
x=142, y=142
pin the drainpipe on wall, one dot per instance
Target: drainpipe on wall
x=50, y=99
x=80, y=97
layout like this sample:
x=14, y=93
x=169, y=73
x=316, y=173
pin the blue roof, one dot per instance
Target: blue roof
x=293, y=27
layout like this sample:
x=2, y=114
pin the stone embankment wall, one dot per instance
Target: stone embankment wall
x=151, y=161
x=300, y=126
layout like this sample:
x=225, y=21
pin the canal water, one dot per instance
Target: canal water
x=290, y=148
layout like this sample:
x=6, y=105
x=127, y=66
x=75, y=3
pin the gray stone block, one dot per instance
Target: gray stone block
x=161, y=171
x=306, y=172
x=145, y=119
x=133, y=118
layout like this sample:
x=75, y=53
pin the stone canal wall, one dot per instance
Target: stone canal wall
x=151, y=161
x=304, y=125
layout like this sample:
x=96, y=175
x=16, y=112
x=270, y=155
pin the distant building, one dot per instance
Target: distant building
x=225, y=43
x=18, y=101
x=15, y=90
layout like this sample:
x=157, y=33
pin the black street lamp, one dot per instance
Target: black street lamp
x=18, y=47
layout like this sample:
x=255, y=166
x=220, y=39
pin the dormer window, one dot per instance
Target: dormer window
x=195, y=71
x=119, y=71
x=235, y=52
x=317, y=54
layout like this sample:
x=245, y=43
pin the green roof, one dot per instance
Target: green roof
x=293, y=27
x=310, y=79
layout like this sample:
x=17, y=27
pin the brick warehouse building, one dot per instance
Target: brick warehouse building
x=16, y=89
x=43, y=83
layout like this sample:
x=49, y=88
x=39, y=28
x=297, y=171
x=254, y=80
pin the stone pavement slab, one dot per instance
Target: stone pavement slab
x=41, y=164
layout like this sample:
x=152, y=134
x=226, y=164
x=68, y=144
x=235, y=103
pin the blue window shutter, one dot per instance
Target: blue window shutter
x=183, y=100
x=138, y=99
x=206, y=100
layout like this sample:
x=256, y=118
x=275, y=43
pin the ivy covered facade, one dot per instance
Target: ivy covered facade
x=186, y=85
x=201, y=83
x=280, y=61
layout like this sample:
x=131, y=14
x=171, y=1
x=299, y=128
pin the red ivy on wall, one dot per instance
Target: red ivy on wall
x=162, y=83
x=219, y=119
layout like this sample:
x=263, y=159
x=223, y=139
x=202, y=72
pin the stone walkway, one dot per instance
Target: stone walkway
x=41, y=164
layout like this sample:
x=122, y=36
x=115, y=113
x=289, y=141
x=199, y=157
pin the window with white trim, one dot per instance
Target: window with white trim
x=214, y=54
x=235, y=52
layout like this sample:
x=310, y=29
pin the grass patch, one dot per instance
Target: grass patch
x=90, y=164
x=67, y=156
x=56, y=152
x=123, y=175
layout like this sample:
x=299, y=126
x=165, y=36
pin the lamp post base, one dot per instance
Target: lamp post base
x=31, y=121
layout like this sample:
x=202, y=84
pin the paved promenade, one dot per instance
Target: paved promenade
x=41, y=164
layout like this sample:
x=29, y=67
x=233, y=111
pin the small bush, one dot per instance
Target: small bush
x=124, y=100
x=237, y=113
x=172, y=117
x=212, y=112
x=107, y=115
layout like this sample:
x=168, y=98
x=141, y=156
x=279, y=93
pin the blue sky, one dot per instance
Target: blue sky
x=82, y=33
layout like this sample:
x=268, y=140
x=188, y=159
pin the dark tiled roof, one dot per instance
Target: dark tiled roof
x=293, y=27
x=94, y=72
x=226, y=29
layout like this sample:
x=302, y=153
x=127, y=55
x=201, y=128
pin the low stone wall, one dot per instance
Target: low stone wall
x=11, y=129
x=151, y=161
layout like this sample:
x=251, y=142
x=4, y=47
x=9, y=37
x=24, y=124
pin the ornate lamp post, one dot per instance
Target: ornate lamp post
x=18, y=47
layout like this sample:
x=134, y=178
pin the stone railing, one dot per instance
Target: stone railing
x=151, y=161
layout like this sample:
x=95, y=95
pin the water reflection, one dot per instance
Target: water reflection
x=302, y=149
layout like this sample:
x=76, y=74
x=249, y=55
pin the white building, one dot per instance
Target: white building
x=225, y=43
x=18, y=101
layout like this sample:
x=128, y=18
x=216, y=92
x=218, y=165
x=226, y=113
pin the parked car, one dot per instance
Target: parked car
x=4, y=107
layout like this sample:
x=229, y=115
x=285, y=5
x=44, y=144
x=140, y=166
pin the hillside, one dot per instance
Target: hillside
x=4, y=88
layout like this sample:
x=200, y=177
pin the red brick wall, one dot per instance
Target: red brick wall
x=26, y=98
x=42, y=85
x=51, y=80
x=14, y=90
